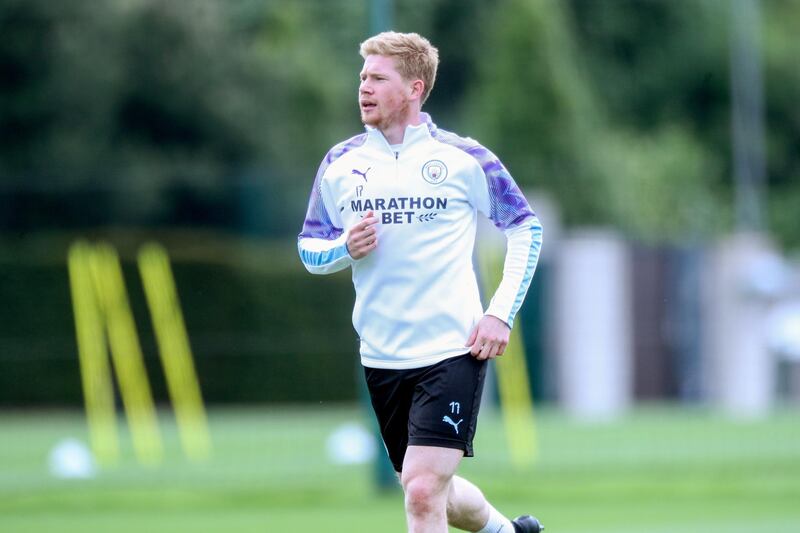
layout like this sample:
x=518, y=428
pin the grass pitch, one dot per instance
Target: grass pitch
x=659, y=470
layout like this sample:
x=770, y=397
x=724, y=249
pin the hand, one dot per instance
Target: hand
x=363, y=237
x=489, y=338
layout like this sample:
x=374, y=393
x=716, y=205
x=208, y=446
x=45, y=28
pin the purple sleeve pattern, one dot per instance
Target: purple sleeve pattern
x=507, y=205
x=318, y=223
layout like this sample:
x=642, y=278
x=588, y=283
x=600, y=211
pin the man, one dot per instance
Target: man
x=398, y=205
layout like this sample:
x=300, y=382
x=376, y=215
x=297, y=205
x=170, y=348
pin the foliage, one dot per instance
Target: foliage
x=665, y=67
x=646, y=177
x=532, y=102
x=216, y=113
x=169, y=104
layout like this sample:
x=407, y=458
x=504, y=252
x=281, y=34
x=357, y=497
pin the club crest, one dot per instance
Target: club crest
x=434, y=172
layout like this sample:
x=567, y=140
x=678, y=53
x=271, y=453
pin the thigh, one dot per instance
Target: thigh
x=441, y=463
x=444, y=410
x=391, y=394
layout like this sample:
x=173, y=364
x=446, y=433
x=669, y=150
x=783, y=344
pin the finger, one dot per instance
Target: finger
x=358, y=244
x=479, y=348
x=370, y=239
x=366, y=221
x=472, y=336
x=493, y=351
x=369, y=219
x=477, y=342
x=364, y=234
x=486, y=351
x=475, y=350
x=366, y=245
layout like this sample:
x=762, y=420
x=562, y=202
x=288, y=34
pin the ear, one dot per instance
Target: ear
x=417, y=86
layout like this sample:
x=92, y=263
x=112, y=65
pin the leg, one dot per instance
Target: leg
x=467, y=508
x=435, y=497
x=426, y=478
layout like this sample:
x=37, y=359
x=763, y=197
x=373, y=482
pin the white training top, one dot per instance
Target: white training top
x=417, y=296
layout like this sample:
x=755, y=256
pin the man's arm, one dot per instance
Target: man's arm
x=363, y=237
x=497, y=195
x=523, y=243
x=323, y=246
x=490, y=336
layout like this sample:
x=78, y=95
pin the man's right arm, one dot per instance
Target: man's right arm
x=323, y=243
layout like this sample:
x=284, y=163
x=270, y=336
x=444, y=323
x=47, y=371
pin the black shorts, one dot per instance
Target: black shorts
x=435, y=405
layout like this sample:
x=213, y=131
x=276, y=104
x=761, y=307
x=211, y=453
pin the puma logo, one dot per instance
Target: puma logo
x=450, y=421
x=362, y=174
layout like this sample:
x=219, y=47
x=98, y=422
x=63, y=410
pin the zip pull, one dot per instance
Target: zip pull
x=396, y=156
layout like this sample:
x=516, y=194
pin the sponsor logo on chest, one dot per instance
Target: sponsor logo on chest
x=402, y=209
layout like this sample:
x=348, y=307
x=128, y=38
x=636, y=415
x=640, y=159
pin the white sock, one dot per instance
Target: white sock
x=497, y=523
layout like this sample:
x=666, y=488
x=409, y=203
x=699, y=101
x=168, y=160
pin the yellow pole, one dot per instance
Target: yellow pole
x=176, y=355
x=512, y=375
x=127, y=356
x=98, y=389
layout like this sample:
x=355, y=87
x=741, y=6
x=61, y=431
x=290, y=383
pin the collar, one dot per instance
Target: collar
x=413, y=134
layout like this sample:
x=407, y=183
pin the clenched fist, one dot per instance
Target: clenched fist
x=363, y=237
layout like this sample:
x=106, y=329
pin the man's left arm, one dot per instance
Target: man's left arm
x=498, y=196
x=523, y=243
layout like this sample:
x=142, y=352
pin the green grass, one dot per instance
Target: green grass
x=659, y=470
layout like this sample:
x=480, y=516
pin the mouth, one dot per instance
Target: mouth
x=367, y=106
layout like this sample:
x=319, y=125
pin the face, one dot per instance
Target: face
x=384, y=96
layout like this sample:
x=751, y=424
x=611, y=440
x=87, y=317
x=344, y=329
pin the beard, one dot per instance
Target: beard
x=383, y=120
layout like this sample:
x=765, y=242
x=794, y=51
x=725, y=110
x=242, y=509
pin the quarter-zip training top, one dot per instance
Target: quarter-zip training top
x=417, y=296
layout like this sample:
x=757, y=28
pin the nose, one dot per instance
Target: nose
x=364, y=87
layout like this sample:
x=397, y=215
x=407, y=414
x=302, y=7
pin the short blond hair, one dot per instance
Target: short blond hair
x=415, y=57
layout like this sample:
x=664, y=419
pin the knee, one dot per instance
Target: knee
x=425, y=494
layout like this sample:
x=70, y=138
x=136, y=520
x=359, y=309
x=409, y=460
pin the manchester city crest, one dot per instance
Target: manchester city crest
x=434, y=172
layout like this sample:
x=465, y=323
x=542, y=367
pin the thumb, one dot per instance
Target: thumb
x=472, y=336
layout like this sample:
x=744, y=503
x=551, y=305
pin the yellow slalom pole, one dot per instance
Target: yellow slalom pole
x=512, y=375
x=176, y=355
x=127, y=356
x=98, y=389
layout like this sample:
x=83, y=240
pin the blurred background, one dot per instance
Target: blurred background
x=658, y=140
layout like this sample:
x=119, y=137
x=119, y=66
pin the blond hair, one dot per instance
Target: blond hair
x=415, y=57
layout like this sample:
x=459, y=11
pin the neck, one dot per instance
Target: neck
x=394, y=133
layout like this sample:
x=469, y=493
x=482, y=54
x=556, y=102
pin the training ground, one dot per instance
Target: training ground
x=659, y=470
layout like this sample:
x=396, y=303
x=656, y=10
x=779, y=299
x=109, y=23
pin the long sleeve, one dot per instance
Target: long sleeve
x=323, y=242
x=498, y=197
x=522, y=254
